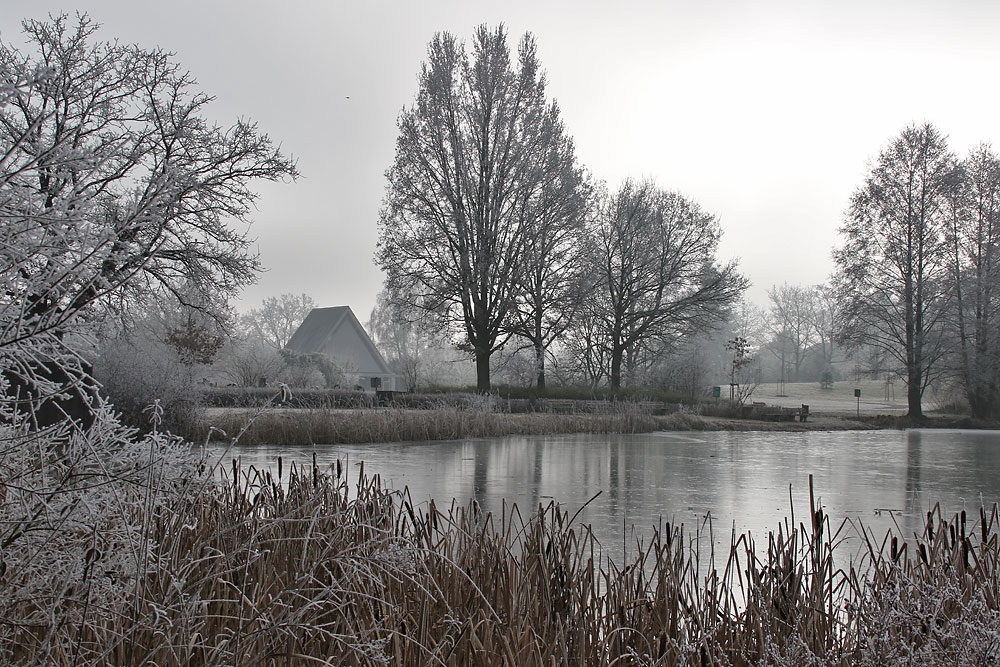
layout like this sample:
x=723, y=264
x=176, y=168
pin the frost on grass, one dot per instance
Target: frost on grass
x=74, y=509
x=947, y=622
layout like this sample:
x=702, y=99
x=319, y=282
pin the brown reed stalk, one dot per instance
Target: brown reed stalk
x=328, y=426
x=307, y=566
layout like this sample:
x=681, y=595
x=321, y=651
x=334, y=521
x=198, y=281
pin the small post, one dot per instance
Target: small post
x=857, y=395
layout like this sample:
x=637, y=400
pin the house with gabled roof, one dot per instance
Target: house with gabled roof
x=337, y=334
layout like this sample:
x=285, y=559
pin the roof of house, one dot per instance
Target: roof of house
x=317, y=332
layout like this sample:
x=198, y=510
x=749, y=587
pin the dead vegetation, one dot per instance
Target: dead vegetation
x=328, y=426
x=307, y=567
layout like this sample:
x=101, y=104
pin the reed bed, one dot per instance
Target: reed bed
x=308, y=568
x=326, y=426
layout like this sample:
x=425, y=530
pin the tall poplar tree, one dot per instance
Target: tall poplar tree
x=471, y=170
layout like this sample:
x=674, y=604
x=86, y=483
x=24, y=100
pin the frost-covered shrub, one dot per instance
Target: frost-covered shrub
x=246, y=363
x=943, y=619
x=136, y=371
x=75, y=513
x=301, y=367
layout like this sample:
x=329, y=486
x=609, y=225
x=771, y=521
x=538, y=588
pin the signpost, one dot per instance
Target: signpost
x=857, y=395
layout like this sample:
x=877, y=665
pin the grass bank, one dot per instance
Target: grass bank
x=299, y=426
x=310, y=426
x=306, y=569
x=325, y=417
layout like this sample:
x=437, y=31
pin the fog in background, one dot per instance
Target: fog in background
x=766, y=114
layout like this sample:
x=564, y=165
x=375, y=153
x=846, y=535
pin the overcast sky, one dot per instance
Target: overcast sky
x=766, y=113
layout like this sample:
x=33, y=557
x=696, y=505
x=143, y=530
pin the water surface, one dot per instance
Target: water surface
x=740, y=480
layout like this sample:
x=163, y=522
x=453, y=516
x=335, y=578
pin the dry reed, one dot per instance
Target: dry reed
x=305, y=568
x=326, y=426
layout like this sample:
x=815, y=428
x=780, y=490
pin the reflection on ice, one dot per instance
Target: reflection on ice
x=722, y=481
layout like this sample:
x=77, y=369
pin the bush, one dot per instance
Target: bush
x=579, y=393
x=135, y=372
x=75, y=528
x=728, y=409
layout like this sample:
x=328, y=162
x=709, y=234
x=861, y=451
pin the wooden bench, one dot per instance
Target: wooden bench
x=653, y=407
x=777, y=413
x=558, y=405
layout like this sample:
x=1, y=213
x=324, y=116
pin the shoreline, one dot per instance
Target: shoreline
x=304, y=426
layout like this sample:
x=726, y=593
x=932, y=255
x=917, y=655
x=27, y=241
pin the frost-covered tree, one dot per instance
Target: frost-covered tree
x=277, y=318
x=160, y=354
x=471, y=175
x=113, y=188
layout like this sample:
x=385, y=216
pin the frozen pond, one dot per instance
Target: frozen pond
x=741, y=479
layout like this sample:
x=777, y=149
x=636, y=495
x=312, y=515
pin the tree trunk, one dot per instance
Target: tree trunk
x=616, y=367
x=540, y=365
x=913, y=331
x=980, y=402
x=913, y=394
x=482, y=371
x=982, y=387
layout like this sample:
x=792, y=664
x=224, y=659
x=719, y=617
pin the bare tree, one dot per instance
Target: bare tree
x=974, y=246
x=277, y=318
x=686, y=370
x=744, y=373
x=112, y=187
x=553, y=280
x=585, y=345
x=747, y=320
x=892, y=285
x=822, y=316
x=400, y=335
x=470, y=174
x=657, y=271
x=747, y=325
x=196, y=340
x=790, y=320
x=251, y=363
